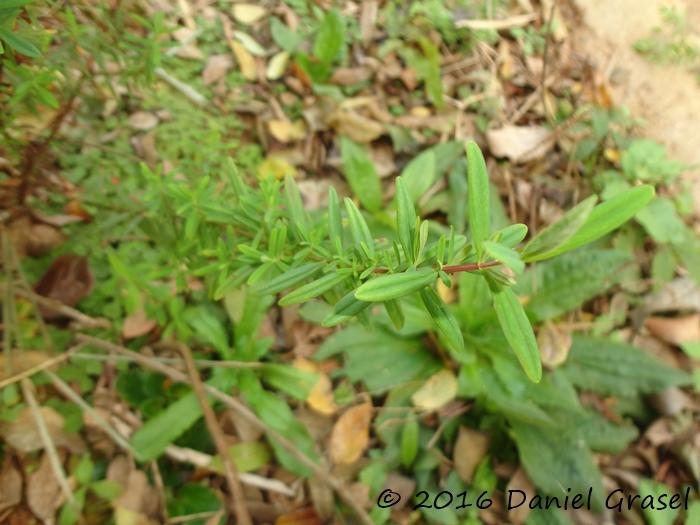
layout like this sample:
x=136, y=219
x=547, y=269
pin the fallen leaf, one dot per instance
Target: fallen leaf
x=23, y=435
x=470, y=448
x=10, y=485
x=190, y=52
x=437, y=391
x=320, y=398
x=44, y=494
x=520, y=143
x=350, y=434
x=554, y=344
x=142, y=120
x=285, y=131
x=348, y=76
x=675, y=330
x=277, y=65
x=682, y=293
x=355, y=126
x=216, y=68
x=137, y=325
x=520, y=481
x=368, y=19
x=42, y=238
x=20, y=362
x=321, y=495
x=67, y=280
x=303, y=516
x=248, y=13
x=246, y=61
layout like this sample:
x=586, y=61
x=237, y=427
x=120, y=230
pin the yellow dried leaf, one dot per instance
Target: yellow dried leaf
x=320, y=397
x=355, y=126
x=350, y=435
x=470, y=448
x=277, y=65
x=437, y=391
x=286, y=131
x=554, y=344
x=248, y=13
x=246, y=61
x=276, y=167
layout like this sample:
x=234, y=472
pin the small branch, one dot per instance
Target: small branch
x=472, y=267
x=497, y=25
x=201, y=363
x=183, y=88
x=245, y=413
x=28, y=392
x=230, y=471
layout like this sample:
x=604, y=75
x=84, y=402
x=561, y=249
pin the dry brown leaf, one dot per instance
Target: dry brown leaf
x=44, y=494
x=286, y=131
x=355, y=126
x=554, y=343
x=10, y=485
x=67, y=280
x=42, y=238
x=348, y=76
x=142, y=120
x=675, y=330
x=401, y=485
x=519, y=482
x=321, y=495
x=20, y=362
x=23, y=435
x=248, y=13
x=350, y=434
x=246, y=61
x=137, y=324
x=138, y=502
x=190, y=52
x=520, y=143
x=470, y=448
x=368, y=19
x=216, y=68
x=303, y=516
x=437, y=391
x=682, y=293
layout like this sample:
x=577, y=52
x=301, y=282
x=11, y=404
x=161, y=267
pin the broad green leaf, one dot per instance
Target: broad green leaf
x=192, y=498
x=419, y=174
x=506, y=255
x=557, y=459
x=283, y=36
x=290, y=278
x=358, y=227
x=330, y=38
x=335, y=229
x=395, y=285
x=518, y=331
x=658, y=492
x=618, y=369
x=347, y=307
x=608, y=216
x=19, y=44
x=445, y=323
x=661, y=220
x=360, y=173
x=478, y=196
x=155, y=435
x=409, y=441
x=315, y=288
x=559, y=285
x=559, y=232
x=405, y=218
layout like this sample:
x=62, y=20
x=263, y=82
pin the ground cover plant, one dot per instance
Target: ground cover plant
x=241, y=287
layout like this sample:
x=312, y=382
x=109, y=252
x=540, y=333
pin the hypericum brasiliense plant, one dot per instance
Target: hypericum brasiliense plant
x=271, y=243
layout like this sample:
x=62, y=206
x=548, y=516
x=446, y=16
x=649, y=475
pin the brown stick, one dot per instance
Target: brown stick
x=237, y=503
x=244, y=412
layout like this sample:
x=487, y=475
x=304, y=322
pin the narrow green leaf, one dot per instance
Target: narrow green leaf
x=300, y=218
x=360, y=173
x=290, y=278
x=478, y=197
x=335, y=230
x=405, y=218
x=297, y=383
x=393, y=308
x=511, y=235
x=560, y=231
x=409, y=441
x=518, y=332
x=9, y=4
x=349, y=306
x=19, y=44
x=506, y=255
x=330, y=38
x=608, y=216
x=315, y=288
x=156, y=434
x=419, y=174
x=358, y=227
x=395, y=285
x=445, y=323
